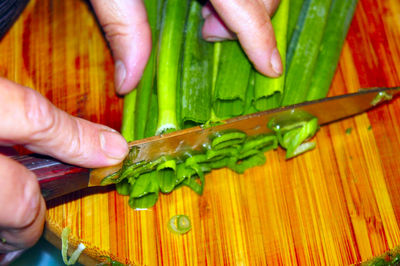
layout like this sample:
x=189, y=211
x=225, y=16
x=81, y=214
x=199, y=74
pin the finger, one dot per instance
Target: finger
x=251, y=22
x=31, y=120
x=214, y=29
x=23, y=208
x=128, y=33
x=271, y=6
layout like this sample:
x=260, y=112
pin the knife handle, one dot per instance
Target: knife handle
x=55, y=178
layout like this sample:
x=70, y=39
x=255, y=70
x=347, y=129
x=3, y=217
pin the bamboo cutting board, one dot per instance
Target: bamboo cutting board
x=336, y=205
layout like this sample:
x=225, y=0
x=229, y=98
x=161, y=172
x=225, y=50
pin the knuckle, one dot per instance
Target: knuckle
x=115, y=30
x=39, y=113
x=75, y=143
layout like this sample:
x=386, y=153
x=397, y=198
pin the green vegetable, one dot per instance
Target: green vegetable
x=216, y=58
x=295, y=13
x=196, y=71
x=123, y=187
x=301, y=66
x=188, y=81
x=293, y=38
x=64, y=248
x=248, y=105
x=292, y=137
x=337, y=26
x=169, y=63
x=232, y=80
x=151, y=123
x=348, y=130
x=233, y=149
x=109, y=261
x=226, y=139
x=179, y=224
x=144, y=192
x=166, y=175
x=128, y=116
x=267, y=91
x=390, y=258
x=382, y=96
x=146, y=84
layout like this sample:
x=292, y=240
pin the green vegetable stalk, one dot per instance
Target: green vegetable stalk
x=146, y=84
x=268, y=91
x=302, y=65
x=340, y=17
x=232, y=79
x=196, y=71
x=169, y=62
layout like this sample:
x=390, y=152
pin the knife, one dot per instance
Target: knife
x=57, y=178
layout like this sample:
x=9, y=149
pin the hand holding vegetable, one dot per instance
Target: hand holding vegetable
x=250, y=22
x=29, y=119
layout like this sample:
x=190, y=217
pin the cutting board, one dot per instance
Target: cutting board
x=338, y=204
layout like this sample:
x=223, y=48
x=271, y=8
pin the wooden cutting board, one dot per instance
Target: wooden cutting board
x=337, y=205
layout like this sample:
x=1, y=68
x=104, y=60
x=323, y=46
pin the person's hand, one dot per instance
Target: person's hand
x=31, y=120
x=128, y=33
x=248, y=21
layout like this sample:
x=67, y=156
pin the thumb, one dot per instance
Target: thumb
x=23, y=208
x=128, y=33
x=31, y=120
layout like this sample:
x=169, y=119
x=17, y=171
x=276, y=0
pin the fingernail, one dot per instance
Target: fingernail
x=119, y=75
x=113, y=145
x=276, y=62
x=214, y=39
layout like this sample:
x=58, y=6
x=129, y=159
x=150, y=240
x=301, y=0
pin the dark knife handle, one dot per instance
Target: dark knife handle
x=55, y=178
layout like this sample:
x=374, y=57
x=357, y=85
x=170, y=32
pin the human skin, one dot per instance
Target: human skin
x=30, y=120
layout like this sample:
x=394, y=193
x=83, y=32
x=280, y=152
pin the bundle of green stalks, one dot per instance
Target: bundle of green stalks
x=188, y=82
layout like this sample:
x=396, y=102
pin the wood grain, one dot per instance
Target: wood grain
x=336, y=205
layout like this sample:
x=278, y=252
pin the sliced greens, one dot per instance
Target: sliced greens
x=143, y=181
x=189, y=82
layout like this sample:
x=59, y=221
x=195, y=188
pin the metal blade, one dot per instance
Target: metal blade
x=327, y=110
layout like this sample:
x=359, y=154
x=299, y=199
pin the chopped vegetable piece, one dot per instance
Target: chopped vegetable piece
x=109, y=261
x=179, y=224
x=348, y=130
x=292, y=136
x=227, y=139
x=145, y=191
x=64, y=248
x=166, y=175
x=240, y=166
x=382, y=96
x=123, y=187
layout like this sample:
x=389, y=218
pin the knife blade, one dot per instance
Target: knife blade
x=57, y=178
